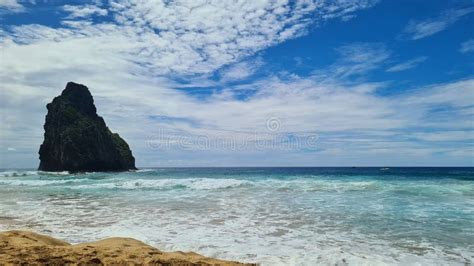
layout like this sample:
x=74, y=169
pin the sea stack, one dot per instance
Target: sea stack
x=76, y=139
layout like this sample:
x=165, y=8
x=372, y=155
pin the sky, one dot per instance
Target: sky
x=248, y=83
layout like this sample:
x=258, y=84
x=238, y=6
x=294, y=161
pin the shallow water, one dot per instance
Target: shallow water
x=274, y=216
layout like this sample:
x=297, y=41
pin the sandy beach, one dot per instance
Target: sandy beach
x=23, y=247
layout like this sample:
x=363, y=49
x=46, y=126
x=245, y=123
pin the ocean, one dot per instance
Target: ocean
x=272, y=216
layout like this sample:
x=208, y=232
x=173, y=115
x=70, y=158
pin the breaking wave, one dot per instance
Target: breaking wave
x=164, y=184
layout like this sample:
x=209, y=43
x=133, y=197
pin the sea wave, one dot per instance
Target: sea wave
x=16, y=173
x=145, y=170
x=312, y=185
x=151, y=180
x=268, y=219
x=61, y=173
x=40, y=182
x=164, y=184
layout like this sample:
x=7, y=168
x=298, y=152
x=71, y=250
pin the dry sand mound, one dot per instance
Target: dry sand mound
x=27, y=248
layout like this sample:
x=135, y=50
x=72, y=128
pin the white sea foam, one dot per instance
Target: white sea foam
x=16, y=173
x=144, y=170
x=297, y=221
x=311, y=185
x=163, y=184
x=61, y=173
x=36, y=182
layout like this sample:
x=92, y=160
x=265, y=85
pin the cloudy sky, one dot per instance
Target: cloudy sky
x=248, y=83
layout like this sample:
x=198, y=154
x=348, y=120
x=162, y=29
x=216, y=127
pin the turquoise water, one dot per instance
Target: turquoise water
x=274, y=216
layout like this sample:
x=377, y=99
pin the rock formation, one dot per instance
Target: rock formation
x=76, y=139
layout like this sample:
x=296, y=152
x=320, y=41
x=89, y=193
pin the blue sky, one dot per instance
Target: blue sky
x=248, y=83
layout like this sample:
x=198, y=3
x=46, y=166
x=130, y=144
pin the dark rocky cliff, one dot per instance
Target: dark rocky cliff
x=76, y=139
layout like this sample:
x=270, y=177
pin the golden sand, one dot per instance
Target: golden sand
x=28, y=248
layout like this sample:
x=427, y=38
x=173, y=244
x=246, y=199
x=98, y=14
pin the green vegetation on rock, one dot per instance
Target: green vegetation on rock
x=77, y=139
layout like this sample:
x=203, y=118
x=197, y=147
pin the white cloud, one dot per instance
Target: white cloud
x=241, y=70
x=188, y=38
x=459, y=94
x=407, y=64
x=463, y=153
x=10, y=6
x=130, y=66
x=467, y=46
x=302, y=105
x=84, y=11
x=145, y=42
x=418, y=29
x=356, y=59
x=465, y=136
x=195, y=38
